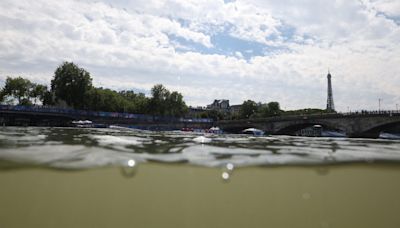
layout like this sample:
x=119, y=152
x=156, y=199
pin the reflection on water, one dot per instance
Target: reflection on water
x=77, y=148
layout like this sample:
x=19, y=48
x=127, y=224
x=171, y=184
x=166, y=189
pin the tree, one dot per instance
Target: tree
x=175, y=105
x=274, y=107
x=18, y=88
x=136, y=102
x=38, y=92
x=248, y=109
x=163, y=102
x=71, y=84
x=157, y=104
x=141, y=104
x=48, y=98
x=270, y=109
x=2, y=96
x=99, y=99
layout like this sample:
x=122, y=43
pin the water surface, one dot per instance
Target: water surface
x=77, y=148
x=67, y=177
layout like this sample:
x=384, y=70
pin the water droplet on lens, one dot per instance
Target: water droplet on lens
x=306, y=196
x=225, y=176
x=130, y=170
x=131, y=163
x=230, y=166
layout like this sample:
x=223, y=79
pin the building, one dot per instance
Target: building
x=219, y=105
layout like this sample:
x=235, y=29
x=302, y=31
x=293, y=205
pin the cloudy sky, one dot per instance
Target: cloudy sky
x=264, y=50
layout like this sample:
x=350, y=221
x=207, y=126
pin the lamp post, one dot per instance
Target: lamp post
x=397, y=107
x=379, y=109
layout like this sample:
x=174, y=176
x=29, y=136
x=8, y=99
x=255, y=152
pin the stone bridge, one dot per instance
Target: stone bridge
x=364, y=125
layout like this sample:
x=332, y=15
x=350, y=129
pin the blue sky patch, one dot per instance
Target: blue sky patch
x=395, y=19
x=224, y=44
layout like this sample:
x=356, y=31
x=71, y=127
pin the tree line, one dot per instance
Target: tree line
x=24, y=91
x=252, y=110
x=72, y=87
x=248, y=110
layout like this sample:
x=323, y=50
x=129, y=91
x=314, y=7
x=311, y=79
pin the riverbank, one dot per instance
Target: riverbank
x=161, y=195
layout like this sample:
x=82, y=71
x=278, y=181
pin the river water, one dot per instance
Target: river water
x=75, y=177
x=81, y=148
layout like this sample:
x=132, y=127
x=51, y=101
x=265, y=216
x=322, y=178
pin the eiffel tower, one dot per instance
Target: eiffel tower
x=330, y=107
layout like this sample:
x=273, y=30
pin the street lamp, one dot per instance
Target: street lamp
x=397, y=107
x=379, y=100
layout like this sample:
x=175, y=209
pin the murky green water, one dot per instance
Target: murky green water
x=64, y=177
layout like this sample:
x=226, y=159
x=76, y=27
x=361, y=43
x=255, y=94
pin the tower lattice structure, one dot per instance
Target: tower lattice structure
x=329, y=104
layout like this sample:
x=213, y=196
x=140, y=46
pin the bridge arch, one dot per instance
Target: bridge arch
x=353, y=125
x=377, y=128
x=239, y=129
x=290, y=129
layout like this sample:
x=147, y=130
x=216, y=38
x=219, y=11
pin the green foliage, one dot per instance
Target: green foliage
x=251, y=109
x=2, y=96
x=18, y=88
x=136, y=102
x=163, y=102
x=270, y=109
x=248, y=109
x=99, y=99
x=48, y=98
x=175, y=105
x=71, y=84
x=74, y=86
x=157, y=105
x=274, y=107
x=23, y=90
x=307, y=111
x=39, y=92
x=211, y=114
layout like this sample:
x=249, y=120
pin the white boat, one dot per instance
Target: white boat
x=83, y=123
x=253, y=131
x=385, y=135
x=215, y=130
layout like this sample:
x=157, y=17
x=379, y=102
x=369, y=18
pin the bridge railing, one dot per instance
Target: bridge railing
x=87, y=114
x=372, y=112
x=319, y=115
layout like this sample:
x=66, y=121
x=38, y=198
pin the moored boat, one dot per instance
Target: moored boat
x=253, y=131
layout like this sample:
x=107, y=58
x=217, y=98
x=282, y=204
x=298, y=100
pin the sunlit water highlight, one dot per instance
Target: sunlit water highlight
x=78, y=148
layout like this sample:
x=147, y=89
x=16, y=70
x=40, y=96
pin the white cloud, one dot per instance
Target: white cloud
x=389, y=7
x=127, y=44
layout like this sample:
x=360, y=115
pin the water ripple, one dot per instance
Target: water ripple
x=72, y=148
